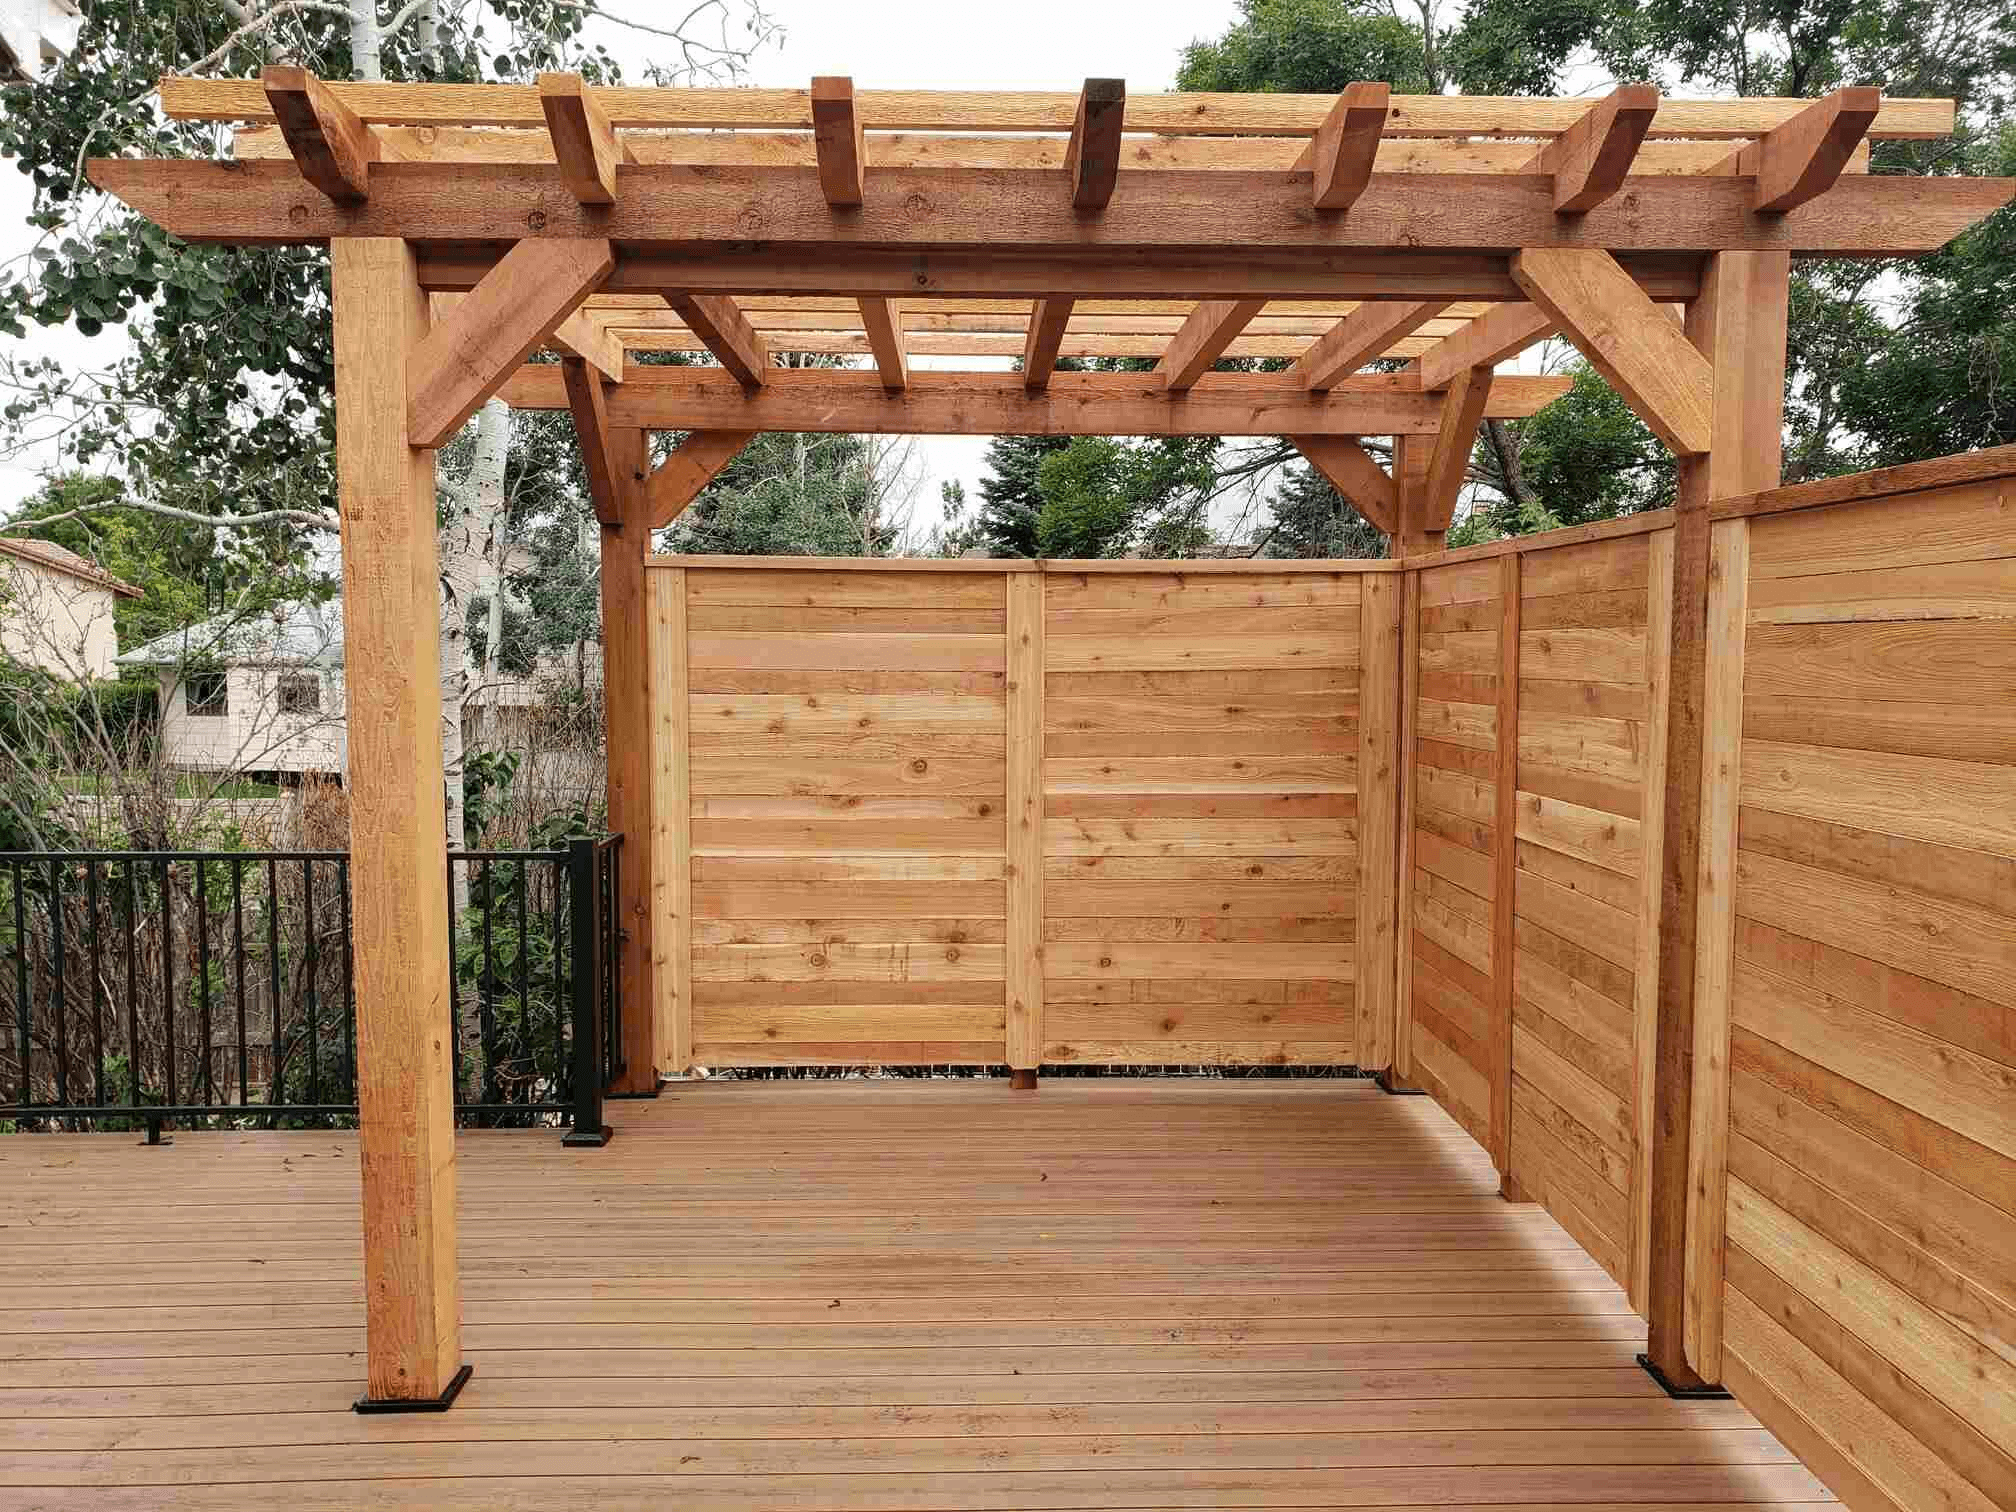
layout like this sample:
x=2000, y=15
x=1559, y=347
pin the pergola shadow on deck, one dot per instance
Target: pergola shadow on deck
x=861, y=1294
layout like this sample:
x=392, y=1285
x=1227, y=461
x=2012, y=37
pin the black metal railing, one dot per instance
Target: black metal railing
x=217, y=988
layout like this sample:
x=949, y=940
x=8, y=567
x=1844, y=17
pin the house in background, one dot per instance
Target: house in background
x=34, y=34
x=258, y=695
x=56, y=609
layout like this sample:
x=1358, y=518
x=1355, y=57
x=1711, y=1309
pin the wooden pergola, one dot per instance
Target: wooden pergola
x=472, y=226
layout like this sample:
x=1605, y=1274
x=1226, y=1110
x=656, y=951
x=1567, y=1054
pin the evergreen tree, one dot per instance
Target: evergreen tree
x=1311, y=519
x=1010, y=499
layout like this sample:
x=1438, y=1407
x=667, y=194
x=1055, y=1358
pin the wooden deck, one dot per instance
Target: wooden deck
x=855, y=1295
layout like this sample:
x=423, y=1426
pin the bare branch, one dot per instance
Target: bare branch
x=305, y=518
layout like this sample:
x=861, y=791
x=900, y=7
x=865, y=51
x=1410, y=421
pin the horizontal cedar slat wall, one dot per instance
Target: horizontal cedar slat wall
x=1201, y=803
x=1868, y=1294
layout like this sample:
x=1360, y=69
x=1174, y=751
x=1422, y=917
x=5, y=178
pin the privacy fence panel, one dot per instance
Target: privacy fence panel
x=1853, y=1260
x=994, y=812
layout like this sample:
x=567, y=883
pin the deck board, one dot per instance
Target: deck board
x=855, y=1295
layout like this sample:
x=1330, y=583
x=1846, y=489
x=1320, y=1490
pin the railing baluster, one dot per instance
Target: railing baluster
x=584, y=899
x=97, y=978
x=135, y=1075
x=349, y=986
x=168, y=975
x=274, y=1075
x=203, y=1032
x=309, y=964
x=24, y=1027
x=487, y=981
x=60, y=998
x=524, y=976
x=560, y=998
x=455, y=977
x=238, y=972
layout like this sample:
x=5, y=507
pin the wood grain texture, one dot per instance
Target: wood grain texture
x=1380, y=764
x=1025, y=834
x=405, y=1076
x=672, y=820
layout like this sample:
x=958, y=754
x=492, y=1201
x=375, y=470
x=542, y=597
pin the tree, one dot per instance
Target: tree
x=790, y=494
x=1010, y=501
x=1311, y=519
x=220, y=413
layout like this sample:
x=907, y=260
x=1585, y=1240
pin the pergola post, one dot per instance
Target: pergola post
x=626, y=714
x=1412, y=458
x=1738, y=323
x=399, y=901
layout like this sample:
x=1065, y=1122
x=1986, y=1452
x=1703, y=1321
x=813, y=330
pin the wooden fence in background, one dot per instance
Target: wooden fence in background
x=1003, y=813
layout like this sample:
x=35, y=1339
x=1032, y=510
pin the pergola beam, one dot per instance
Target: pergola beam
x=836, y=134
x=694, y=463
x=470, y=355
x=1345, y=149
x=716, y=320
x=1047, y=320
x=587, y=399
x=333, y=148
x=882, y=320
x=578, y=336
x=1092, y=158
x=1211, y=328
x=997, y=212
x=585, y=146
x=984, y=404
x=1349, y=469
x=1638, y=348
x=1804, y=158
x=1484, y=342
x=1359, y=338
x=1589, y=161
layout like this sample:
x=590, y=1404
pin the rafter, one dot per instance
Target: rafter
x=1358, y=338
x=1803, y=158
x=1449, y=461
x=469, y=356
x=332, y=147
x=1211, y=328
x=1589, y=161
x=1351, y=471
x=694, y=463
x=980, y=404
x=578, y=336
x=882, y=320
x=836, y=132
x=1047, y=320
x=1485, y=342
x=585, y=145
x=1014, y=213
x=715, y=319
x=1346, y=146
x=1636, y=346
x=1093, y=156
x=586, y=397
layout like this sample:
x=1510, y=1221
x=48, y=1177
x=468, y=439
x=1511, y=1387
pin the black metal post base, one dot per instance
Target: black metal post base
x=587, y=1139
x=1384, y=1081
x=1702, y=1393
x=656, y=1088
x=1022, y=1078
x=417, y=1404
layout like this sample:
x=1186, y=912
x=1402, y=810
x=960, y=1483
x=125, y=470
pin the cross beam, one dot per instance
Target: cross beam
x=987, y=404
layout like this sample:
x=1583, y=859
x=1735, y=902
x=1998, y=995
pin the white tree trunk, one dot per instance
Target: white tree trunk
x=474, y=510
x=365, y=40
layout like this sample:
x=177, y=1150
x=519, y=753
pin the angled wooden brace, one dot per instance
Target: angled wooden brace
x=578, y=336
x=1352, y=472
x=1359, y=338
x=1500, y=332
x=1635, y=345
x=1801, y=159
x=1047, y=320
x=1093, y=157
x=1449, y=461
x=332, y=147
x=585, y=145
x=1589, y=161
x=677, y=481
x=600, y=456
x=517, y=307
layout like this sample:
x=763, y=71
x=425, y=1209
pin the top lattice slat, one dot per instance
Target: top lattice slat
x=935, y=110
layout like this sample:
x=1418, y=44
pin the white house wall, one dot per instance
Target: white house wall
x=55, y=621
x=252, y=735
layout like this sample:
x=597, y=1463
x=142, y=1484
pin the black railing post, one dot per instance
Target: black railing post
x=584, y=896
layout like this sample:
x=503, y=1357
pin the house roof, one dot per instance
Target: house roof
x=296, y=633
x=60, y=559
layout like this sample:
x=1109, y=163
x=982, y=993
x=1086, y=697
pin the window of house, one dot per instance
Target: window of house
x=204, y=694
x=300, y=693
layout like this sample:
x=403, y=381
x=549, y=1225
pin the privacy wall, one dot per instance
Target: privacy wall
x=991, y=812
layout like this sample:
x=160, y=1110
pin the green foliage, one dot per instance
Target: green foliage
x=1011, y=502
x=1311, y=519
x=1101, y=496
x=1587, y=456
x=1307, y=47
x=789, y=494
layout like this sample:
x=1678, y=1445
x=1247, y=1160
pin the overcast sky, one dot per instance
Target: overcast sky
x=883, y=44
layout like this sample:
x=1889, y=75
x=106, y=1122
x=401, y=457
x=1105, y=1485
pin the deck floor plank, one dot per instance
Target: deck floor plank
x=858, y=1296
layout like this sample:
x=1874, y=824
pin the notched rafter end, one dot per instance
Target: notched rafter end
x=331, y=146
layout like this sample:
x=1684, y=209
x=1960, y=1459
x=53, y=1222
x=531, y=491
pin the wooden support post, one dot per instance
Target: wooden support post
x=399, y=903
x=1738, y=323
x=1403, y=882
x=626, y=717
x=1025, y=827
x=672, y=837
x=1416, y=535
x=1380, y=760
x=1645, y=989
x=1504, y=858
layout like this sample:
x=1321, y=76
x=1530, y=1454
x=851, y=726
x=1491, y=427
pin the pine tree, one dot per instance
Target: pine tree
x=1011, y=501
